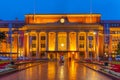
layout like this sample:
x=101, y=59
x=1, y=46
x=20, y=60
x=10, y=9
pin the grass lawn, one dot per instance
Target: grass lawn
x=115, y=62
x=4, y=61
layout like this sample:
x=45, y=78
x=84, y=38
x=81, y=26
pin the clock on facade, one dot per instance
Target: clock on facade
x=62, y=20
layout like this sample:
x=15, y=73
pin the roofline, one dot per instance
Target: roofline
x=63, y=14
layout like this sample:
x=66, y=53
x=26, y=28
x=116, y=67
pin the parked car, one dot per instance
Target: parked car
x=22, y=58
x=117, y=57
x=4, y=58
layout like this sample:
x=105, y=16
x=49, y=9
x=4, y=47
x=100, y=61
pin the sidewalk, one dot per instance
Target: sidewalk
x=100, y=68
x=21, y=65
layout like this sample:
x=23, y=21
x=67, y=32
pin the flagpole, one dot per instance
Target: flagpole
x=90, y=11
x=10, y=35
x=34, y=10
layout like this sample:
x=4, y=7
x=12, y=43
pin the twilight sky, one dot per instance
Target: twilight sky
x=10, y=9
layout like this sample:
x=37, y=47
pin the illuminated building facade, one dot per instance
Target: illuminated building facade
x=78, y=36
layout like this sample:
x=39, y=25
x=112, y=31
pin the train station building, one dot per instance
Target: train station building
x=79, y=36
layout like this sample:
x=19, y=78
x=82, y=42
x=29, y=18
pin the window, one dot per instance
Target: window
x=33, y=53
x=33, y=45
x=90, y=37
x=106, y=45
x=33, y=37
x=81, y=46
x=90, y=46
x=81, y=37
x=42, y=37
x=42, y=45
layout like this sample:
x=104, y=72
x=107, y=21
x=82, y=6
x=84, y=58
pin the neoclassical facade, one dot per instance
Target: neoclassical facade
x=78, y=36
x=74, y=35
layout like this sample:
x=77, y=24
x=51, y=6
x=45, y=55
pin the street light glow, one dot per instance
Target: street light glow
x=94, y=32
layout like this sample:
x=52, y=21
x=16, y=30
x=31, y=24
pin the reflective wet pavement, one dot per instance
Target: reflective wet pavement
x=56, y=71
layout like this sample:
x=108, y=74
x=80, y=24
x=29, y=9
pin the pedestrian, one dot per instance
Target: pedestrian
x=62, y=59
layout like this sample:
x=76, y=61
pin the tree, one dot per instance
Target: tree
x=2, y=37
x=118, y=49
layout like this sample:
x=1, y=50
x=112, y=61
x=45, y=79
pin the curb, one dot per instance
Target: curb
x=107, y=74
x=4, y=73
x=110, y=75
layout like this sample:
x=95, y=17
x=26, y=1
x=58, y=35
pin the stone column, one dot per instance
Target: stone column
x=97, y=45
x=77, y=48
x=56, y=42
x=28, y=44
x=24, y=44
x=87, y=46
x=46, y=44
x=37, y=44
x=68, y=42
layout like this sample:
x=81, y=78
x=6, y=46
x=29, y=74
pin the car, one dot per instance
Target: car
x=4, y=58
x=117, y=57
x=22, y=58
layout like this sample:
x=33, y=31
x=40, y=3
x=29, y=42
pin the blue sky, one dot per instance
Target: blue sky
x=10, y=9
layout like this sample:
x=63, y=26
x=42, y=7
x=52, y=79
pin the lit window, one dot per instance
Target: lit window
x=33, y=45
x=90, y=46
x=33, y=37
x=42, y=37
x=42, y=45
x=90, y=37
x=81, y=46
x=81, y=37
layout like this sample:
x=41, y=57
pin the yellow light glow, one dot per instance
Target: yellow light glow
x=72, y=52
x=72, y=36
x=51, y=71
x=62, y=45
x=94, y=33
x=72, y=72
x=51, y=41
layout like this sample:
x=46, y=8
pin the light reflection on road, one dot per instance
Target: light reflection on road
x=56, y=71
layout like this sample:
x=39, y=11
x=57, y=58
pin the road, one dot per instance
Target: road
x=56, y=71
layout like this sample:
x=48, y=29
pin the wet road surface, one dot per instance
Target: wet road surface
x=56, y=71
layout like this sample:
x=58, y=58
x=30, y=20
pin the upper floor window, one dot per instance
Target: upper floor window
x=90, y=37
x=42, y=45
x=42, y=37
x=90, y=46
x=33, y=37
x=81, y=46
x=33, y=45
x=81, y=37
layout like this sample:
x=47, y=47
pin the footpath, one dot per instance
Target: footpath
x=18, y=66
x=108, y=70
